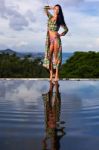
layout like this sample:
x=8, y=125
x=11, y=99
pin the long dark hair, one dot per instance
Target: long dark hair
x=60, y=19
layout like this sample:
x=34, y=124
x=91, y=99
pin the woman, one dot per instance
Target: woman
x=54, y=130
x=53, y=40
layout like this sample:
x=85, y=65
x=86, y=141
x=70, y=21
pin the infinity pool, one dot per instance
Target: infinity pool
x=39, y=115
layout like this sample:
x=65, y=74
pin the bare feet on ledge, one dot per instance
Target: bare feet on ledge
x=53, y=77
x=56, y=79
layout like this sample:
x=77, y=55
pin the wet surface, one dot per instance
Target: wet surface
x=37, y=115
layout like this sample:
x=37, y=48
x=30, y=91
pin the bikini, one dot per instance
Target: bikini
x=52, y=40
x=52, y=26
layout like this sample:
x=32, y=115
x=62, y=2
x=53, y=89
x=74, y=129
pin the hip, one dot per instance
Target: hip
x=53, y=34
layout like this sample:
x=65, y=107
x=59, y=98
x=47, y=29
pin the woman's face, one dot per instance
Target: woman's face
x=56, y=10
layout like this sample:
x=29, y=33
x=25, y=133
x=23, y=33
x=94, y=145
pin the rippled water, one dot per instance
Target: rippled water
x=37, y=115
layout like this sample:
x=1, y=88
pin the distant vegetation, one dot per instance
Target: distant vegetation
x=80, y=65
x=12, y=66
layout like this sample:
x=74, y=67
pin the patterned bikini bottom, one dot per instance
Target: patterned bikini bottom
x=46, y=62
x=52, y=39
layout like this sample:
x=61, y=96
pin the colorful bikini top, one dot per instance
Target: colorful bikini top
x=52, y=25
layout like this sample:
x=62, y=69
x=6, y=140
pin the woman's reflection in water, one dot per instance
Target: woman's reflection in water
x=54, y=129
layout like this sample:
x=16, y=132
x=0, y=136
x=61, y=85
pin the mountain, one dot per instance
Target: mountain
x=9, y=51
x=66, y=55
x=19, y=54
x=33, y=55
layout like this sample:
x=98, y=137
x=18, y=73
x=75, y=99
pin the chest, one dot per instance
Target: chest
x=51, y=22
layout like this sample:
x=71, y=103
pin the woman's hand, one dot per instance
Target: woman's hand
x=51, y=7
x=58, y=34
x=48, y=7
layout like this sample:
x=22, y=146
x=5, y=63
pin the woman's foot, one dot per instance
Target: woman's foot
x=56, y=79
x=51, y=75
x=51, y=78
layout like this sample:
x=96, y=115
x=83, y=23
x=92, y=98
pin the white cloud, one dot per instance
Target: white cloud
x=17, y=21
x=22, y=90
x=22, y=43
x=97, y=42
x=91, y=0
x=25, y=21
x=84, y=30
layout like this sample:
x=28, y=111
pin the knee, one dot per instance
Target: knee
x=50, y=57
x=56, y=60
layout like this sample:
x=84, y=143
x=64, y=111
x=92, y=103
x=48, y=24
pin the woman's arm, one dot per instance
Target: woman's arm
x=47, y=12
x=65, y=30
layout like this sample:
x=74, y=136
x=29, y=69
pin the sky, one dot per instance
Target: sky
x=23, y=25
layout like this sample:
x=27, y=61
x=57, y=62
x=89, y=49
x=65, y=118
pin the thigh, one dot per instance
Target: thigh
x=51, y=49
x=56, y=47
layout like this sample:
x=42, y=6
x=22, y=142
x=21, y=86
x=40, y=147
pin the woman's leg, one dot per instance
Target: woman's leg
x=56, y=50
x=51, y=54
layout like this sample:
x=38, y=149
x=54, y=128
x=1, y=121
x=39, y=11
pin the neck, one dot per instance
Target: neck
x=55, y=15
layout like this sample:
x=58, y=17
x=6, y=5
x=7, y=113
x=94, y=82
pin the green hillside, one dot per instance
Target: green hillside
x=80, y=65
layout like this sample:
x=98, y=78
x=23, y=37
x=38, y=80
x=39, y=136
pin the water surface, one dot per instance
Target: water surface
x=37, y=115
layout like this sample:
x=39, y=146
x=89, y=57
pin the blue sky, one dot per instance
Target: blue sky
x=23, y=25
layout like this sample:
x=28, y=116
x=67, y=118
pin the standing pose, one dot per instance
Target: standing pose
x=53, y=47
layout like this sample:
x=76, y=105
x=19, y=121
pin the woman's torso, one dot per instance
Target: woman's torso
x=53, y=33
x=53, y=27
